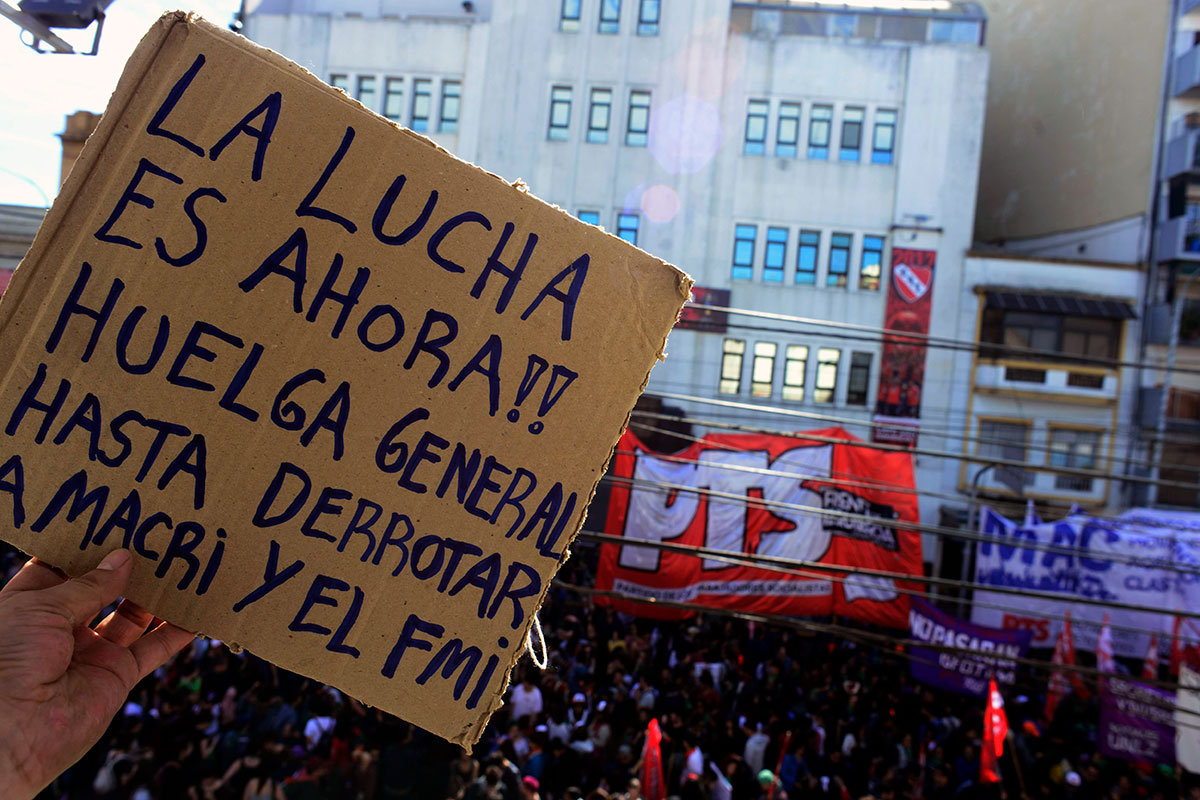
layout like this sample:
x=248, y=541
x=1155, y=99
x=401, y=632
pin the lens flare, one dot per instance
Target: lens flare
x=685, y=134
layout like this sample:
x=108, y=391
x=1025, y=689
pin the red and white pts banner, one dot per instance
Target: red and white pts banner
x=763, y=495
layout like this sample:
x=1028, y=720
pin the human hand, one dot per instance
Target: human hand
x=61, y=682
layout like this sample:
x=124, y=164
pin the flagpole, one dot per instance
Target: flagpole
x=1017, y=763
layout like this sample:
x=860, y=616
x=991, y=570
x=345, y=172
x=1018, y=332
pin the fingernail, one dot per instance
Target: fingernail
x=115, y=560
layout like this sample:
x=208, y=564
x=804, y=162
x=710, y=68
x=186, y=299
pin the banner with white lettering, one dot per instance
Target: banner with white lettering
x=793, y=497
x=1134, y=559
x=962, y=672
x=1137, y=722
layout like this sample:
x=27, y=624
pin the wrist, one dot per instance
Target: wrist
x=16, y=762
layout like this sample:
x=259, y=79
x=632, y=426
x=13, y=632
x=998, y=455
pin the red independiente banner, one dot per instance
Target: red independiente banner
x=764, y=495
x=902, y=375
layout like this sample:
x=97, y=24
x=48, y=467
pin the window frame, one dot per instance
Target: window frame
x=743, y=268
x=340, y=80
x=838, y=277
x=886, y=155
x=776, y=244
x=794, y=392
x=1073, y=483
x=609, y=25
x=596, y=103
x=834, y=364
x=733, y=351
x=986, y=447
x=623, y=228
x=566, y=22
x=819, y=114
x=802, y=248
x=560, y=133
x=394, y=113
x=870, y=276
x=645, y=25
x=765, y=358
x=638, y=136
x=758, y=113
x=783, y=147
x=418, y=122
x=360, y=84
x=449, y=124
x=860, y=368
x=852, y=128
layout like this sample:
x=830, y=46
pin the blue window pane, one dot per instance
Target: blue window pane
x=785, y=150
x=743, y=273
x=627, y=227
x=818, y=152
x=590, y=217
x=878, y=157
x=743, y=252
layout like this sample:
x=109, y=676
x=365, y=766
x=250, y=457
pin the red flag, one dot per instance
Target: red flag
x=654, y=787
x=995, y=729
x=1064, y=654
x=1150, y=668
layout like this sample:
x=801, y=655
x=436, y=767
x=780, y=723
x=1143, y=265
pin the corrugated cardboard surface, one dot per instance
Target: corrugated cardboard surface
x=218, y=365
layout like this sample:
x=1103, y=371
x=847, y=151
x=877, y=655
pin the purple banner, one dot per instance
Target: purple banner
x=1137, y=722
x=956, y=671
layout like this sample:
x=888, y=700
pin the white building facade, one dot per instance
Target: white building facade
x=778, y=152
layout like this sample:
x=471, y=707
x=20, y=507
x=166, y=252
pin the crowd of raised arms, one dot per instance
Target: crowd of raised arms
x=746, y=711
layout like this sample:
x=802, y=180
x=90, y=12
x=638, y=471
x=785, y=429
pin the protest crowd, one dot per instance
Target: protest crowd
x=746, y=712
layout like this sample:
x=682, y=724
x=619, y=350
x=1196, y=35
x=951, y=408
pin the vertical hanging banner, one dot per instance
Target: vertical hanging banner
x=820, y=500
x=902, y=375
x=345, y=396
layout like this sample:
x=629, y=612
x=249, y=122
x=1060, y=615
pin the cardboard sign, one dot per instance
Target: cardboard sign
x=345, y=396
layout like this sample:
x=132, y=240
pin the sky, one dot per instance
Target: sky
x=39, y=91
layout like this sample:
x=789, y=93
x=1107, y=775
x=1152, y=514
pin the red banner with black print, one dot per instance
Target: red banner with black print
x=902, y=377
x=815, y=498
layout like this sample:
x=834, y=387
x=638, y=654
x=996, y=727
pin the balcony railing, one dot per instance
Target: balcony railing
x=1179, y=240
x=1046, y=377
x=1183, y=153
x=1187, y=74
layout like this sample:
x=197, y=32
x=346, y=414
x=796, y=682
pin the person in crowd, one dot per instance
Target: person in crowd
x=156, y=716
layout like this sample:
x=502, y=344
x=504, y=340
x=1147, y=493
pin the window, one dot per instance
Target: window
x=1005, y=441
x=827, y=370
x=340, y=82
x=743, y=251
x=366, y=91
x=590, y=217
x=818, y=131
x=627, y=227
x=1074, y=449
x=568, y=19
x=958, y=32
x=731, y=366
x=756, y=127
x=560, y=113
x=393, y=99
x=762, y=371
x=806, y=257
x=639, y=119
x=871, y=264
x=610, y=16
x=648, y=16
x=775, y=255
x=451, y=99
x=839, y=260
x=598, y=116
x=860, y=379
x=787, y=130
x=852, y=122
x=422, y=103
x=1094, y=337
x=884, y=143
x=794, y=367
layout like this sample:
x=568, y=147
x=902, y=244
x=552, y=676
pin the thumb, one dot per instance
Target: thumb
x=82, y=598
